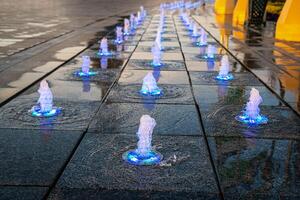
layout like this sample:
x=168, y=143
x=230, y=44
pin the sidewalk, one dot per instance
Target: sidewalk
x=207, y=153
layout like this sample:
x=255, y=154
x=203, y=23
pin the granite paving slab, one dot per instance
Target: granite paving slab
x=74, y=115
x=283, y=122
x=240, y=79
x=251, y=168
x=162, y=77
x=171, y=94
x=147, y=65
x=34, y=157
x=22, y=193
x=123, y=118
x=98, y=165
x=231, y=95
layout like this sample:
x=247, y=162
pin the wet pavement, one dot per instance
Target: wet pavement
x=207, y=153
x=276, y=63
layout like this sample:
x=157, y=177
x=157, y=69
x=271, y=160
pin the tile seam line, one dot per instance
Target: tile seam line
x=248, y=69
x=93, y=116
x=200, y=119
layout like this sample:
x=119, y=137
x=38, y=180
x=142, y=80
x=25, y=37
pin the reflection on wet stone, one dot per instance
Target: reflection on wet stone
x=256, y=168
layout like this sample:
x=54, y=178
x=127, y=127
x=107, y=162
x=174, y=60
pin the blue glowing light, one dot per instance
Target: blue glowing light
x=201, y=44
x=244, y=118
x=82, y=74
x=118, y=41
x=209, y=57
x=156, y=64
x=155, y=92
x=151, y=158
x=105, y=54
x=228, y=77
x=36, y=112
x=195, y=36
x=126, y=33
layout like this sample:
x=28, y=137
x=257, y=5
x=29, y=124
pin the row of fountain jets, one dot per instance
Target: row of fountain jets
x=144, y=154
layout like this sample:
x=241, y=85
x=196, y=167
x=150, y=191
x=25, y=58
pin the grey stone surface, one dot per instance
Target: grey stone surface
x=22, y=193
x=208, y=78
x=147, y=65
x=123, y=118
x=74, y=116
x=283, y=122
x=98, y=164
x=33, y=157
x=171, y=94
x=231, y=95
x=251, y=168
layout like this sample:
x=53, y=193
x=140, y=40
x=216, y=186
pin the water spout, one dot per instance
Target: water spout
x=144, y=154
x=119, y=35
x=251, y=115
x=149, y=86
x=44, y=107
x=224, y=74
x=156, y=54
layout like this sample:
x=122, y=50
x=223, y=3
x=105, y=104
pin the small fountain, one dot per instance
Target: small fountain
x=224, y=74
x=150, y=86
x=126, y=27
x=144, y=154
x=44, y=107
x=250, y=115
x=156, y=54
x=191, y=26
x=195, y=31
x=132, y=23
x=210, y=52
x=143, y=12
x=85, y=68
x=158, y=40
x=203, y=38
x=139, y=17
x=103, y=51
x=119, y=35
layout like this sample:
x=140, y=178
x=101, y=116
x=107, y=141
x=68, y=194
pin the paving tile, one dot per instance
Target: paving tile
x=213, y=66
x=22, y=193
x=98, y=164
x=250, y=168
x=123, y=118
x=231, y=95
x=240, y=79
x=34, y=157
x=165, y=56
x=283, y=122
x=74, y=116
x=147, y=65
x=171, y=94
x=165, y=49
x=163, y=77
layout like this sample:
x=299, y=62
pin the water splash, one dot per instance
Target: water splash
x=103, y=50
x=85, y=68
x=126, y=27
x=119, y=35
x=44, y=107
x=210, y=52
x=203, y=38
x=156, y=55
x=224, y=74
x=251, y=115
x=149, y=86
x=195, y=31
x=144, y=154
